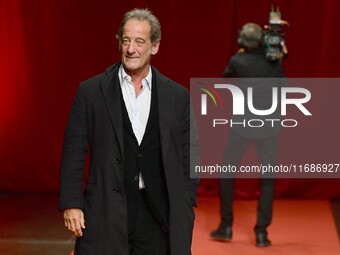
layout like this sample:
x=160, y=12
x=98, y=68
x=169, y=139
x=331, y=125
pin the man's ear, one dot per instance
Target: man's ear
x=155, y=47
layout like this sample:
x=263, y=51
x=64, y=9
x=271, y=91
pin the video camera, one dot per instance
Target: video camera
x=273, y=36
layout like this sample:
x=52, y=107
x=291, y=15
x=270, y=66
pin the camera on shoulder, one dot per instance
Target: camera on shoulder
x=274, y=43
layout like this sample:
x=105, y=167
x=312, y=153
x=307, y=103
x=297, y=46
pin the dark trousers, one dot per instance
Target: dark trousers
x=267, y=149
x=147, y=237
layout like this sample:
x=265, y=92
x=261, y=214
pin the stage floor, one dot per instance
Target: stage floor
x=32, y=225
x=300, y=227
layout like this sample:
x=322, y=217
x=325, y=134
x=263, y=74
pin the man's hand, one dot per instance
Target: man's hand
x=74, y=220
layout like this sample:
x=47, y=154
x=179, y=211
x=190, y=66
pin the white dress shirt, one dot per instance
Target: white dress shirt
x=138, y=107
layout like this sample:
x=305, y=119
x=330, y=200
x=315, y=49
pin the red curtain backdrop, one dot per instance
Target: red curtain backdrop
x=48, y=47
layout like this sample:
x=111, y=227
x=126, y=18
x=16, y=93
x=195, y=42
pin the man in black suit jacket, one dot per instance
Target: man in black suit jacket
x=136, y=123
x=250, y=62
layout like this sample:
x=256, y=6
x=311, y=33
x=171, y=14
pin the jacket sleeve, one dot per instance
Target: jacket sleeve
x=74, y=154
x=230, y=70
x=190, y=153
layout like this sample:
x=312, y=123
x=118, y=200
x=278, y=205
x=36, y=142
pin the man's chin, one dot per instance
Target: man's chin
x=131, y=66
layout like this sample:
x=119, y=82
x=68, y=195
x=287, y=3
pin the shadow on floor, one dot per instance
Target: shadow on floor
x=32, y=225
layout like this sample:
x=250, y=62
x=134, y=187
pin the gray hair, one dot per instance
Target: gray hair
x=142, y=14
x=251, y=36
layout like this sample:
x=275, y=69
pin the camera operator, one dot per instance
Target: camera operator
x=251, y=62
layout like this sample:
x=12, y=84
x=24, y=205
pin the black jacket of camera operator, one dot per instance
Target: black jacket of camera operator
x=254, y=70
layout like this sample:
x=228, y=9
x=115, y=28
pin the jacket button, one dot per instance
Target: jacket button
x=136, y=178
x=139, y=155
x=117, y=161
x=116, y=190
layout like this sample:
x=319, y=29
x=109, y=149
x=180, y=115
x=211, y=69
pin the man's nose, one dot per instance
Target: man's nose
x=131, y=47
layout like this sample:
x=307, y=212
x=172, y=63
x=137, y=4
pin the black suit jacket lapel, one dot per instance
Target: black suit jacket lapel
x=165, y=98
x=110, y=87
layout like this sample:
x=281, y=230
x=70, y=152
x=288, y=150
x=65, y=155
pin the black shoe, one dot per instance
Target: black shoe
x=262, y=240
x=222, y=234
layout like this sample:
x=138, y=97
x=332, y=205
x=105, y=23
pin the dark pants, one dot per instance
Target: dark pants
x=147, y=238
x=267, y=149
